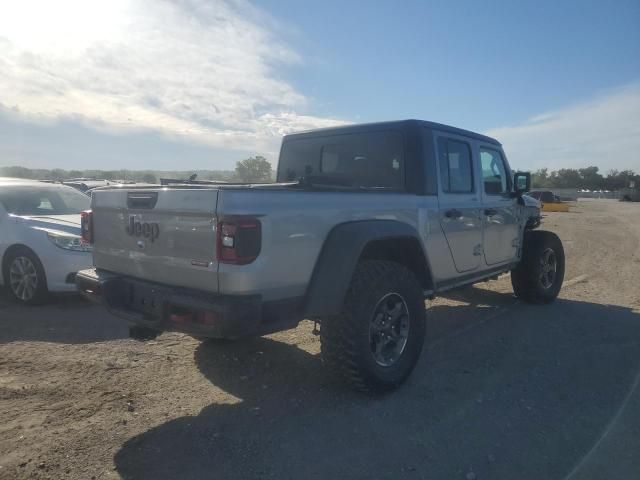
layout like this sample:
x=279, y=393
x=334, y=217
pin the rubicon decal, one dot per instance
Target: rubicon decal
x=147, y=230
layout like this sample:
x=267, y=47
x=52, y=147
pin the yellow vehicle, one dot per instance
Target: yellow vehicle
x=554, y=207
x=549, y=201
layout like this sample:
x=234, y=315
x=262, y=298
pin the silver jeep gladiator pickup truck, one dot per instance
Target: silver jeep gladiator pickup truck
x=363, y=224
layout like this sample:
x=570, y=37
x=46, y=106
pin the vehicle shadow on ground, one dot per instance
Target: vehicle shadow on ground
x=472, y=304
x=64, y=319
x=524, y=395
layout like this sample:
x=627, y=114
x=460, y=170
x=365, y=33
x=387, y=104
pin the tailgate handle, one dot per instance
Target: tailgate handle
x=142, y=200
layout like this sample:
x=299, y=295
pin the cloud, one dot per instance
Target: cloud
x=70, y=144
x=195, y=70
x=604, y=131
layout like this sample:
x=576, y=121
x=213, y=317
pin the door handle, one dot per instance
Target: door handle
x=453, y=213
x=490, y=212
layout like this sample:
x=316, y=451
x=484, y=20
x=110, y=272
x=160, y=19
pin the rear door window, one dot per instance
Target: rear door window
x=456, y=170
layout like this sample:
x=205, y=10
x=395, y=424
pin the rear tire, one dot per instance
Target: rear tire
x=24, y=277
x=376, y=340
x=538, y=277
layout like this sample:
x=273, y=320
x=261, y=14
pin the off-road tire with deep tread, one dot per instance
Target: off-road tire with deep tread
x=525, y=277
x=345, y=338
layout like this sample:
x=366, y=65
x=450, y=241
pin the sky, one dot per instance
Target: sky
x=200, y=84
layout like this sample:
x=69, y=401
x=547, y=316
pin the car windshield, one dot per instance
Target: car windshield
x=33, y=201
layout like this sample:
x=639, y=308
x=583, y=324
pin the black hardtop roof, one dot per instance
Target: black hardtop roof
x=396, y=124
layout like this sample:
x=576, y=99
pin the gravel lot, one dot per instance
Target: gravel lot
x=504, y=390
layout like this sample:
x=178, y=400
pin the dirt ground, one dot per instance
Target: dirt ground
x=504, y=390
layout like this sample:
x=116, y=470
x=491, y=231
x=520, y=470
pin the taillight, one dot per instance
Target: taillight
x=86, y=226
x=239, y=239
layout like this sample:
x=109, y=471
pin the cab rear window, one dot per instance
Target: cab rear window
x=373, y=160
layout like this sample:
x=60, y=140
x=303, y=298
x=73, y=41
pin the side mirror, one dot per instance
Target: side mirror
x=521, y=182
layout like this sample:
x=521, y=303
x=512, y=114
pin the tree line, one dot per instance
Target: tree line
x=253, y=169
x=258, y=169
x=588, y=178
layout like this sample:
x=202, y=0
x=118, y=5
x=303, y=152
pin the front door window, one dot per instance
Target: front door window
x=494, y=172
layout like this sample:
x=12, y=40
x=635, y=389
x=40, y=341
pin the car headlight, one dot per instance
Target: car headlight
x=69, y=242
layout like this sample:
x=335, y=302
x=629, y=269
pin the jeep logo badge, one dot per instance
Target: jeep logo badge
x=149, y=231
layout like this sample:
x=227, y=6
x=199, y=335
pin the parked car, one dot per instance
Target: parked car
x=544, y=195
x=549, y=201
x=85, y=185
x=364, y=223
x=40, y=242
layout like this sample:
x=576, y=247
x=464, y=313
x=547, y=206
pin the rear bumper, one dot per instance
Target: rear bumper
x=161, y=307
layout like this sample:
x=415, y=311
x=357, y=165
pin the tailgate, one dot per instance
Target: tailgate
x=165, y=235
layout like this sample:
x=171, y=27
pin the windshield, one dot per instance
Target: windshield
x=363, y=160
x=32, y=201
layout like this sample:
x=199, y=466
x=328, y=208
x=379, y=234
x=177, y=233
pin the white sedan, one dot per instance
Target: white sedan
x=40, y=243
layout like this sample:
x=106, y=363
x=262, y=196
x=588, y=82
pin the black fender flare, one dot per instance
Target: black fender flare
x=339, y=256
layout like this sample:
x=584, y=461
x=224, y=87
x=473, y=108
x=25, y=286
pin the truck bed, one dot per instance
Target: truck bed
x=295, y=222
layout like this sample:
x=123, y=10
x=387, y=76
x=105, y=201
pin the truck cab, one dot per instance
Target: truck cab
x=467, y=215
